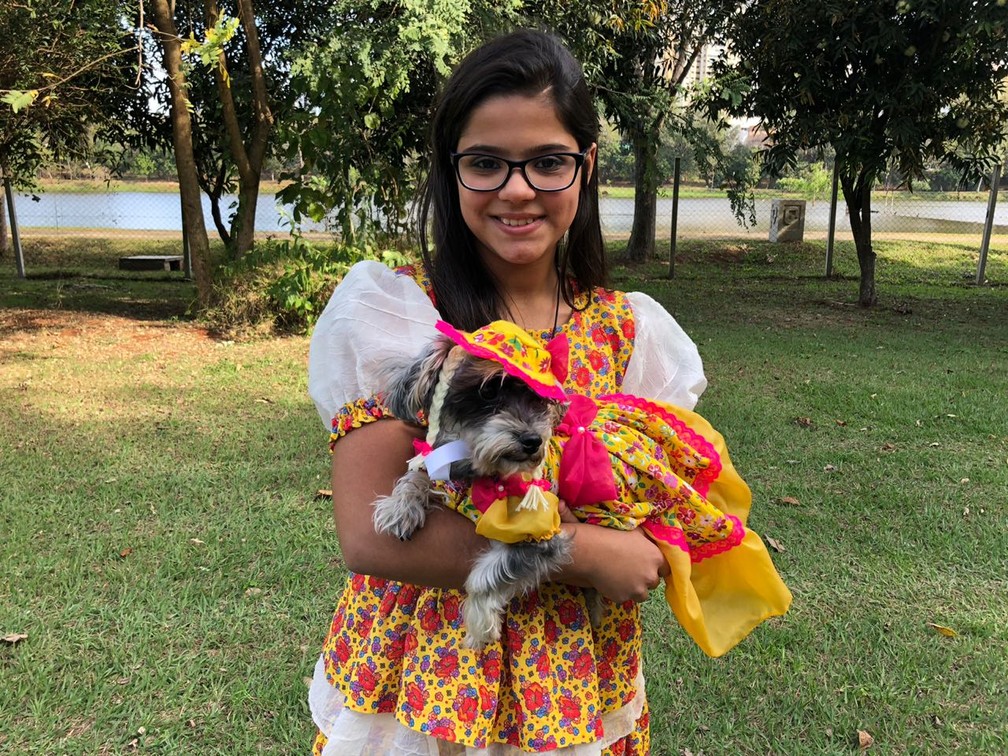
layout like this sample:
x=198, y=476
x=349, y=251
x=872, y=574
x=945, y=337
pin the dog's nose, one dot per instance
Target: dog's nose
x=530, y=442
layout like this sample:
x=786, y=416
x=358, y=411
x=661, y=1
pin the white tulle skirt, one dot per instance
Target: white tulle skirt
x=352, y=733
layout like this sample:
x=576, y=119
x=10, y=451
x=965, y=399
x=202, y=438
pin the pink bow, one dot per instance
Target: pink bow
x=485, y=491
x=586, y=474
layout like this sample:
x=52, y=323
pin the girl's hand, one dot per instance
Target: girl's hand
x=621, y=565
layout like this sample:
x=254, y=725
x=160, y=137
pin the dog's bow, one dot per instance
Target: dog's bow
x=586, y=474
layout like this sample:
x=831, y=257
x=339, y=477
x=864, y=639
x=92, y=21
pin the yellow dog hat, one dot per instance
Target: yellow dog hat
x=542, y=368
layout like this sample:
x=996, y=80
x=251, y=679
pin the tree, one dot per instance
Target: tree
x=885, y=84
x=56, y=60
x=365, y=95
x=638, y=56
x=193, y=224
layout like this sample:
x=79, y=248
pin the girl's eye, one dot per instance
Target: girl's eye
x=551, y=163
x=484, y=163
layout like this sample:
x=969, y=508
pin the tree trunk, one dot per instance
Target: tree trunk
x=185, y=162
x=857, y=195
x=641, y=245
x=248, y=159
x=4, y=242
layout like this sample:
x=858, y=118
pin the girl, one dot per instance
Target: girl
x=511, y=201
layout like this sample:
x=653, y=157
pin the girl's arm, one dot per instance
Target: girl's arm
x=366, y=463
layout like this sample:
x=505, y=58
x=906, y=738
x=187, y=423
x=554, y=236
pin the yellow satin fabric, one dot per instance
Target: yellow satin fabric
x=505, y=521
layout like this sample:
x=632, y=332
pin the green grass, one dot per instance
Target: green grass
x=173, y=570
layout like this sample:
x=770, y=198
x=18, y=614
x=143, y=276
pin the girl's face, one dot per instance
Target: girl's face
x=517, y=225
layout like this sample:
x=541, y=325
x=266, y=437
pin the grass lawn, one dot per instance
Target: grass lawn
x=169, y=571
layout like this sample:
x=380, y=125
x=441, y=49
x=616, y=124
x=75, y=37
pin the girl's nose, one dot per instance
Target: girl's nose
x=516, y=187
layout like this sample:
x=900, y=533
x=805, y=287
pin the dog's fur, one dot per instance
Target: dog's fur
x=507, y=427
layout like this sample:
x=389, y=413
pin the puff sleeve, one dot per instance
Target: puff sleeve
x=665, y=364
x=373, y=314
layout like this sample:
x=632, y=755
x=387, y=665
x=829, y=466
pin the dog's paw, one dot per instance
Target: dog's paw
x=404, y=511
x=482, y=621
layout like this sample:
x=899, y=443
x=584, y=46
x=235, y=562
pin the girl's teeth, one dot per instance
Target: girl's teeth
x=511, y=222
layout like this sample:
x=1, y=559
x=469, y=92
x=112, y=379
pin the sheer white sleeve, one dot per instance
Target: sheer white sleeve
x=373, y=314
x=665, y=364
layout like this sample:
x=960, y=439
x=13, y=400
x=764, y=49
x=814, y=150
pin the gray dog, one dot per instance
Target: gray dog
x=497, y=427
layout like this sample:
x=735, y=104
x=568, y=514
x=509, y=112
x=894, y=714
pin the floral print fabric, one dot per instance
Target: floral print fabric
x=396, y=648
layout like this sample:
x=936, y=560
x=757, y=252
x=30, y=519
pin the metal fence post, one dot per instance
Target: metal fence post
x=186, y=254
x=15, y=233
x=831, y=233
x=675, y=220
x=988, y=225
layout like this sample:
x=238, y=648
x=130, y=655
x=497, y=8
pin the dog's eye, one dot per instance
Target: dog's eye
x=490, y=391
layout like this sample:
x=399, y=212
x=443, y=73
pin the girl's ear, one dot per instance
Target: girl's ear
x=589, y=161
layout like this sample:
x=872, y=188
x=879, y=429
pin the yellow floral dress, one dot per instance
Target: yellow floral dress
x=394, y=653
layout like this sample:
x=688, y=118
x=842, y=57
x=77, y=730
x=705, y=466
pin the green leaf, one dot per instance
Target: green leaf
x=18, y=100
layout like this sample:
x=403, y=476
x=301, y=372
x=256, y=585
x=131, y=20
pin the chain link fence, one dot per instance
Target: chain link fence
x=141, y=212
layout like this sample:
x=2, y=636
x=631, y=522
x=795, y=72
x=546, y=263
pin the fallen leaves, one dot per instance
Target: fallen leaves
x=12, y=639
x=804, y=422
x=323, y=493
x=126, y=552
x=864, y=740
x=790, y=501
x=776, y=545
x=948, y=632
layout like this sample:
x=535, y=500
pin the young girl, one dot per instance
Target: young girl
x=511, y=200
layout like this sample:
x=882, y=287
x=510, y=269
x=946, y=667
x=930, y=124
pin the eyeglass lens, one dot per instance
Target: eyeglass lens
x=546, y=172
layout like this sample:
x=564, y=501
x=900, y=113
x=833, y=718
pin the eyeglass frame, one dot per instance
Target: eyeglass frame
x=579, y=159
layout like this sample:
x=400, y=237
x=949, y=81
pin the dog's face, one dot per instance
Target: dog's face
x=504, y=422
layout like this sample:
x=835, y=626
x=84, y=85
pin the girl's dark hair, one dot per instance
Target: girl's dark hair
x=528, y=63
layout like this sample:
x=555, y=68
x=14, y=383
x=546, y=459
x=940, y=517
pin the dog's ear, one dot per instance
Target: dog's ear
x=411, y=387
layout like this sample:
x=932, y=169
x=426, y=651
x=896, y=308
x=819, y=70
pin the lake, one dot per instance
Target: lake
x=160, y=211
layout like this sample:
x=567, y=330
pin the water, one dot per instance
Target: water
x=160, y=211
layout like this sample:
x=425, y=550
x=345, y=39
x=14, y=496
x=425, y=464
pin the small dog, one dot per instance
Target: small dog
x=500, y=428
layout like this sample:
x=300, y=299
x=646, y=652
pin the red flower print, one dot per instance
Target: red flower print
x=569, y=708
x=466, y=705
x=581, y=376
x=515, y=641
x=367, y=679
x=394, y=650
x=583, y=665
x=357, y=582
x=450, y=609
x=596, y=359
x=551, y=631
x=598, y=336
x=430, y=620
x=388, y=603
x=492, y=668
x=543, y=665
x=447, y=664
x=488, y=700
x=627, y=326
x=441, y=728
x=535, y=697
x=364, y=625
x=615, y=341
x=605, y=670
x=626, y=630
x=569, y=613
x=407, y=595
x=410, y=642
x=416, y=696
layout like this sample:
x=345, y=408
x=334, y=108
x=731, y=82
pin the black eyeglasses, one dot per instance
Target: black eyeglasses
x=555, y=172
